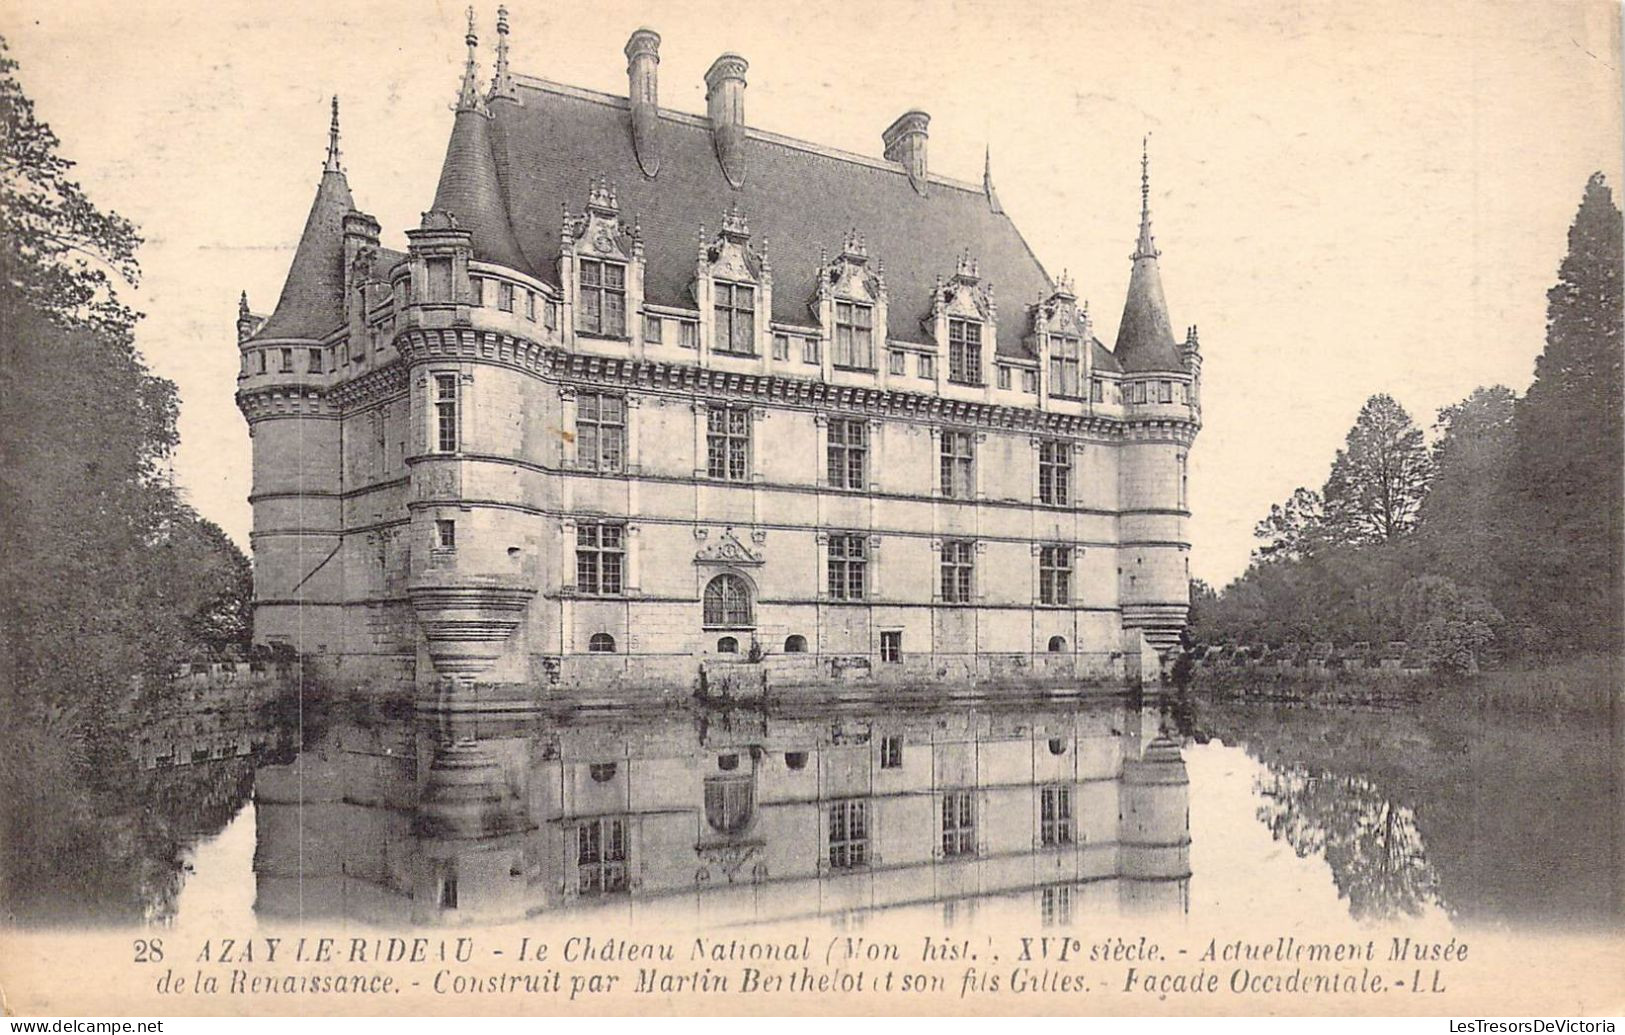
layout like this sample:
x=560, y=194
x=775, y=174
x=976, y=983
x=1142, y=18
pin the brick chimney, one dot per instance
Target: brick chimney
x=643, y=91
x=905, y=143
x=725, y=102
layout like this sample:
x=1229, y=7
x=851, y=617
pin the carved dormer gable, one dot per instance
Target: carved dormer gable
x=727, y=549
x=600, y=232
x=733, y=288
x=601, y=268
x=849, y=276
x=964, y=296
x=729, y=255
x=1059, y=312
x=1061, y=336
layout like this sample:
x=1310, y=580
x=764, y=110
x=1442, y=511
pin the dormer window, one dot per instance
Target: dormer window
x=1065, y=366
x=603, y=299
x=854, y=336
x=964, y=352
x=735, y=319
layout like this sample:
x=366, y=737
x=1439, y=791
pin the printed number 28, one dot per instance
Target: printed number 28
x=149, y=951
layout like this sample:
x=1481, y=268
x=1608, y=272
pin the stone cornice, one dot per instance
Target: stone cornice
x=271, y=401
x=386, y=382
x=465, y=344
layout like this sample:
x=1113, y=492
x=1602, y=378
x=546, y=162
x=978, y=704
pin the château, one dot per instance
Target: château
x=652, y=397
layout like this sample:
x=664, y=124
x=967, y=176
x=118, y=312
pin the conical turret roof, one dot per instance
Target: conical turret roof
x=1145, y=335
x=312, y=301
x=469, y=187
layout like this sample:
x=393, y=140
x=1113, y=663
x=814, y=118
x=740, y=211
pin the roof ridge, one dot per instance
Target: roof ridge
x=582, y=93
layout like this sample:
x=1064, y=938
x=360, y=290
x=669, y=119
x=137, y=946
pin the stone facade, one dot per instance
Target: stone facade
x=611, y=448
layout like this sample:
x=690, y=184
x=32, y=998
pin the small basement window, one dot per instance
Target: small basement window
x=601, y=643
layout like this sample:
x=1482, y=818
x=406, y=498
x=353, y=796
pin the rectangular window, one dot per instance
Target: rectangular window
x=1139, y=392
x=891, y=748
x=600, y=431
x=1055, y=815
x=898, y=363
x=285, y=361
x=809, y=351
x=448, y=893
x=653, y=327
x=958, y=465
x=1097, y=390
x=928, y=367
x=781, y=346
x=964, y=352
x=848, y=834
x=1029, y=382
x=958, y=570
x=445, y=412
x=854, y=336
x=476, y=285
x=401, y=288
x=550, y=316
x=530, y=305
x=1055, y=575
x=1165, y=391
x=603, y=299
x=688, y=334
x=315, y=361
x=959, y=823
x=1054, y=472
x=736, y=319
x=1063, y=377
x=727, y=443
x=600, y=559
x=439, y=274
x=504, y=296
x=260, y=360
x=848, y=561
x=445, y=535
x=891, y=651
x=848, y=454
x=601, y=857
x=1004, y=378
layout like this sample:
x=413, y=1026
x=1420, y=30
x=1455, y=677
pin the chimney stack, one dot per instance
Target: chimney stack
x=725, y=102
x=643, y=91
x=905, y=143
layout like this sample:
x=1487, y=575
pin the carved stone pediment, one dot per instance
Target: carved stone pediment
x=727, y=549
x=600, y=232
x=1059, y=313
x=964, y=296
x=729, y=255
x=849, y=276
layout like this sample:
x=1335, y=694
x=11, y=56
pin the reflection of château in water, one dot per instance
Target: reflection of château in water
x=1081, y=808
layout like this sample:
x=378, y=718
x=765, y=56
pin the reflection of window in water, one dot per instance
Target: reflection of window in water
x=958, y=823
x=601, y=857
x=848, y=834
x=1056, y=815
x=1055, y=906
x=728, y=803
x=955, y=910
x=891, y=752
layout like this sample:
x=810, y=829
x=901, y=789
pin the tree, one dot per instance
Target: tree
x=1464, y=520
x=1378, y=478
x=1452, y=625
x=1293, y=530
x=1570, y=442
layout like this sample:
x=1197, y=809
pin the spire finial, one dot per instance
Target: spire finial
x=502, y=80
x=1146, y=248
x=242, y=305
x=987, y=179
x=332, y=164
x=468, y=98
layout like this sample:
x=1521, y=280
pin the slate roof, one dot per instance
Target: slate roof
x=1145, y=335
x=799, y=196
x=312, y=300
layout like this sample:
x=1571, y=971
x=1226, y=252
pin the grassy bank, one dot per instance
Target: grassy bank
x=1584, y=683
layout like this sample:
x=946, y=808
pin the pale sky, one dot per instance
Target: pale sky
x=1349, y=197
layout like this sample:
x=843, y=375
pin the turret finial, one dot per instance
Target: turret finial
x=1146, y=248
x=242, y=304
x=468, y=97
x=332, y=164
x=987, y=179
x=502, y=80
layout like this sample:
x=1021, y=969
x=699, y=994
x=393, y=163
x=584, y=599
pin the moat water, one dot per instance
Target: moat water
x=1061, y=810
